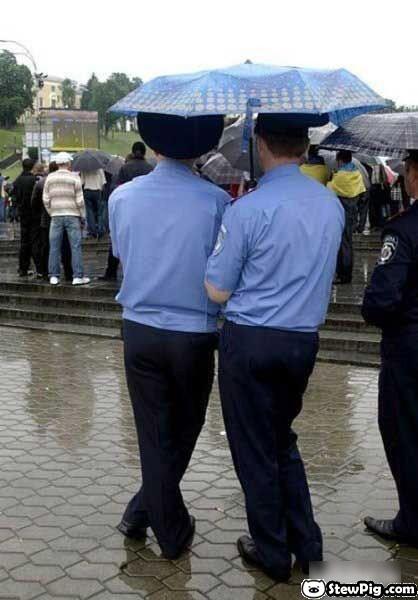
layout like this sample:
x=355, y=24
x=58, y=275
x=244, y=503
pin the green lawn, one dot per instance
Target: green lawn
x=119, y=142
x=13, y=171
x=8, y=139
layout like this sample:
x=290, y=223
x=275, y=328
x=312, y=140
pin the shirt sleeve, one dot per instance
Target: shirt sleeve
x=112, y=225
x=383, y=297
x=79, y=197
x=229, y=255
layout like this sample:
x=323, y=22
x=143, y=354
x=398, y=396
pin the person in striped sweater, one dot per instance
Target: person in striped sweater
x=64, y=201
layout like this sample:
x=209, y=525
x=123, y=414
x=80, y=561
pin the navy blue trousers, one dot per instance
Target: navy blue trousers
x=398, y=423
x=170, y=376
x=263, y=374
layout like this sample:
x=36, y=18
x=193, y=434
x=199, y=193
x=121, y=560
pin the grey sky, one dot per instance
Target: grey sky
x=375, y=39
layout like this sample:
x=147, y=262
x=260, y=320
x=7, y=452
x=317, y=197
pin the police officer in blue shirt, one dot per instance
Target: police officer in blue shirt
x=163, y=227
x=273, y=264
x=391, y=303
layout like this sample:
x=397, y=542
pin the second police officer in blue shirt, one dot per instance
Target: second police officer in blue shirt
x=163, y=228
x=273, y=264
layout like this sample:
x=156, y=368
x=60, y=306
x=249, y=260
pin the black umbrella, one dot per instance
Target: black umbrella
x=386, y=134
x=114, y=165
x=90, y=160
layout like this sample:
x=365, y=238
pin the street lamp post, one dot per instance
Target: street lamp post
x=39, y=82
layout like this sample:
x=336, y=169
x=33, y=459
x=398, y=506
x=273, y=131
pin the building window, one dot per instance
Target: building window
x=52, y=88
x=54, y=103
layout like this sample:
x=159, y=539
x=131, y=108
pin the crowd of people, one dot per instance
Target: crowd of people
x=368, y=194
x=56, y=208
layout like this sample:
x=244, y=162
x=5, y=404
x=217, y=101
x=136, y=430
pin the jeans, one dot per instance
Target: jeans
x=94, y=212
x=2, y=211
x=65, y=254
x=72, y=226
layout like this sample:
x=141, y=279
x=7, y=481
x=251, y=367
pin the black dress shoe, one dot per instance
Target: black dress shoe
x=248, y=552
x=130, y=531
x=185, y=545
x=383, y=527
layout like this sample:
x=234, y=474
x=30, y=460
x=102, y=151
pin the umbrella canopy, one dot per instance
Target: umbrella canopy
x=221, y=172
x=114, y=165
x=336, y=93
x=318, y=134
x=387, y=134
x=90, y=160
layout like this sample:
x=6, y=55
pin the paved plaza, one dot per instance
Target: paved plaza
x=69, y=463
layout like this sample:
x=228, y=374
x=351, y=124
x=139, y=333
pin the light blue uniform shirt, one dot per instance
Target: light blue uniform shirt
x=163, y=228
x=276, y=252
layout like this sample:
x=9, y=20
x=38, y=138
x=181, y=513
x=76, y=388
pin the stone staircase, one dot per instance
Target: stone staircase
x=92, y=310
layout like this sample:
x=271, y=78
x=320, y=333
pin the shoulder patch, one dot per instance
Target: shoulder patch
x=390, y=243
x=220, y=240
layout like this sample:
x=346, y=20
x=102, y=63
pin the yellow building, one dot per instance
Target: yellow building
x=50, y=96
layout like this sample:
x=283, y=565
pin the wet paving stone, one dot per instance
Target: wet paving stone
x=69, y=464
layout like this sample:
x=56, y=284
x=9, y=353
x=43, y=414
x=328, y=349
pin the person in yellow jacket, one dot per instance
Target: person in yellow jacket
x=347, y=182
x=315, y=166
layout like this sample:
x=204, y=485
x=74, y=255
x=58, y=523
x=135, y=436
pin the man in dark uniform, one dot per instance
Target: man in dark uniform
x=273, y=264
x=163, y=228
x=391, y=303
x=22, y=191
x=135, y=166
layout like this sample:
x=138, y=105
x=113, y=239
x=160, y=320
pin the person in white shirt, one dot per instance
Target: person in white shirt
x=93, y=183
x=63, y=200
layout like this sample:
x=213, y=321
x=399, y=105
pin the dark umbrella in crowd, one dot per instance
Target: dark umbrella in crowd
x=221, y=172
x=386, y=134
x=114, y=165
x=90, y=160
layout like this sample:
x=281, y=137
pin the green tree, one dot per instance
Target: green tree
x=16, y=89
x=100, y=96
x=86, y=97
x=68, y=93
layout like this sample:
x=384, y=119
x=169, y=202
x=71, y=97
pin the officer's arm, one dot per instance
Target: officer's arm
x=218, y=296
x=225, y=266
x=383, y=297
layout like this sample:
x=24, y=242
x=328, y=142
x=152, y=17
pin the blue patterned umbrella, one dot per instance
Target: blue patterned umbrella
x=335, y=93
x=386, y=134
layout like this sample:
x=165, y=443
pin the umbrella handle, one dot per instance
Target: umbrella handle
x=253, y=182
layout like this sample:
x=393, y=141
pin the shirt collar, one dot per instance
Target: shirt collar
x=278, y=172
x=169, y=165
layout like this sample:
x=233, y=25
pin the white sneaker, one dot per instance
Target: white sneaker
x=54, y=280
x=81, y=280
